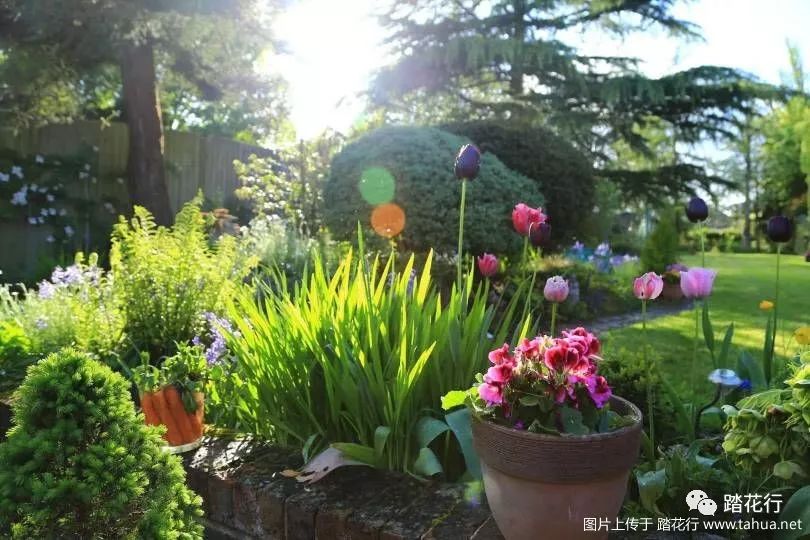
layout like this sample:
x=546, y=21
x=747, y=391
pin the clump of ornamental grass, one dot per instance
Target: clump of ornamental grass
x=79, y=463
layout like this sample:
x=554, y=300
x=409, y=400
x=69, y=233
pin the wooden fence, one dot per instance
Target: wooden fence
x=193, y=162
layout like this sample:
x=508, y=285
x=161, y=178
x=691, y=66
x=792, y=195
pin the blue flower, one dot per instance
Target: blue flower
x=725, y=377
x=745, y=385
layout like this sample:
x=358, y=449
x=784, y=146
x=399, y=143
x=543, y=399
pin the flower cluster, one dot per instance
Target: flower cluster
x=75, y=274
x=214, y=341
x=528, y=386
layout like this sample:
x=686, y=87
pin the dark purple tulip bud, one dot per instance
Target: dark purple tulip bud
x=468, y=162
x=540, y=234
x=780, y=229
x=697, y=210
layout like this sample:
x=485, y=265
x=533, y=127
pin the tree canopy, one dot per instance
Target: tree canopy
x=508, y=59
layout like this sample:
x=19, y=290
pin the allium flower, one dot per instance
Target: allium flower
x=697, y=282
x=648, y=286
x=468, y=162
x=696, y=210
x=556, y=289
x=524, y=218
x=488, y=264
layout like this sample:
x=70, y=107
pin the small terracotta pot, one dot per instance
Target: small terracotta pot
x=544, y=486
x=672, y=291
x=165, y=407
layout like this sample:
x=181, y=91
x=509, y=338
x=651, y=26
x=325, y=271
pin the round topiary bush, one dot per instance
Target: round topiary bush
x=412, y=167
x=562, y=173
x=79, y=463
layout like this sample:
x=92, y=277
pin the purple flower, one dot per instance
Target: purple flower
x=46, y=290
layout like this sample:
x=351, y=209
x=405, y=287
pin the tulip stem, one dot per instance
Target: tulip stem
x=693, y=373
x=775, y=306
x=650, y=394
x=554, y=318
x=702, y=245
x=460, y=256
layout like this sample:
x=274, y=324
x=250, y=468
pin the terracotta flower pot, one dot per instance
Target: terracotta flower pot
x=545, y=486
x=165, y=407
x=672, y=291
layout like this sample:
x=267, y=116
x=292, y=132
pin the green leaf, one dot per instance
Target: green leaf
x=786, y=469
x=428, y=428
x=682, y=416
x=748, y=368
x=381, y=435
x=459, y=422
x=651, y=486
x=572, y=421
x=427, y=464
x=529, y=401
x=797, y=508
x=725, y=347
x=708, y=331
x=453, y=399
x=357, y=452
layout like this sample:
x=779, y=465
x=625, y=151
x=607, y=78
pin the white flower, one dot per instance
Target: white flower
x=109, y=207
x=49, y=197
x=34, y=188
x=17, y=171
x=95, y=148
x=86, y=166
x=32, y=220
x=120, y=180
x=39, y=159
x=40, y=220
x=43, y=212
x=20, y=197
x=69, y=231
x=50, y=239
x=4, y=177
x=52, y=211
x=83, y=176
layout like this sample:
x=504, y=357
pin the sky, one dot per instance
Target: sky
x=333, y=47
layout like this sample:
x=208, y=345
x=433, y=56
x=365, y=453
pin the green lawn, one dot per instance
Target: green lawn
x=742, y=282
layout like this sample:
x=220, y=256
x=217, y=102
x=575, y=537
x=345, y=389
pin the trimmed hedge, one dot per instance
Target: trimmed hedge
x=421, y=161
x=562, y=173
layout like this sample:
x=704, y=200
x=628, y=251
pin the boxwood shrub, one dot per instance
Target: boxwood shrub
x=420, y=160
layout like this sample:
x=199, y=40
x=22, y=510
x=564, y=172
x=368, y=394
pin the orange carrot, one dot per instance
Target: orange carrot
x=172, y=434
x=197, y=417
x=181, y=417
x=148, y=409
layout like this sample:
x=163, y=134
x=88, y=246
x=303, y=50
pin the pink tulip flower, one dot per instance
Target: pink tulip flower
x=556, y=289
x=488, y=264
x=648, y=286
x=697, y=282
x=525, y=217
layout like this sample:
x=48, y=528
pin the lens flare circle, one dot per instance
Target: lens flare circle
x=388, y=220
x=377, y=186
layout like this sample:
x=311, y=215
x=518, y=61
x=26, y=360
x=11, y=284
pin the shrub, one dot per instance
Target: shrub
x=419, y=160
x=562, y=174
x=74, y=307
x=165, y=279
x=661, y=247
x=15, y=354
x=79, y=463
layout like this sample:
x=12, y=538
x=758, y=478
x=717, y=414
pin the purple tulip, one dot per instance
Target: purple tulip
x=468, y=162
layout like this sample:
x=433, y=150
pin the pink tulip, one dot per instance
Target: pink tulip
x=697, y=282
x=488, y=264
x=525, y=217
x=556, y=290
x=648, y=286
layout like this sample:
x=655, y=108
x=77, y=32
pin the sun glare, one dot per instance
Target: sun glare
x=332, y=47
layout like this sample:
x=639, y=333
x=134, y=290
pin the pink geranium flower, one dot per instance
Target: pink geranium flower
x=501, y=355
x=599, y=390
x=491, y=393
x=499, y=374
